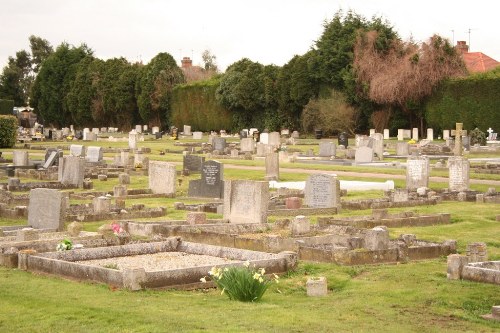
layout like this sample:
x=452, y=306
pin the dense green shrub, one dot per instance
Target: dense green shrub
x=6, y=106
x=472, y=100
x=195, y=104
x=8, y=128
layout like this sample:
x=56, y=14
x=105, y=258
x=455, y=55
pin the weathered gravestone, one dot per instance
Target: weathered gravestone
x=211, y=184
x=247, y=145
x=197, y=135
x=162, y=177
x=414, y=135
x=274, y=139
x=430, y=134
x=399, y=195
x=402, y=149
x=94, y=154
x=446, y=134
x=52, y=156
x=417, y=172
x=47, y=209
x=138, y=128
x=193, y=163
x=187, y=130
x=20, y=158
x=364, y=155
x=458, y=173
x=400, y=134
x=378, y=145
x=272, y=167
x=245, y=201
x=264, y=149
x=264, y=138
x=386, y=134
x=101, y=204
x=132, y=139
x=71, y=170
x=327, y=149
x=322, y=191
x=219, y=144
x=77, y=150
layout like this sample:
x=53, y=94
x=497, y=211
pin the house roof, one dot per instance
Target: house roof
x=477, y=62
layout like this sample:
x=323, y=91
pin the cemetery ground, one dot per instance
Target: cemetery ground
x=409, y=297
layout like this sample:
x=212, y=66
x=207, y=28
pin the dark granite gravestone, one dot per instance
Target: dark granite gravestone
x=193, y=163
x=211, y=184
x=343, y=139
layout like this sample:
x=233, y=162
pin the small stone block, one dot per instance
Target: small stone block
x=23, y=258
x=133, y=278
x=293, y=203
x=196, y=218
x=300, y=225
x=102, y=177
x=26, y=234
x=317, y=287
x=479, y=198
x=456, y=263
x=124, y=178
x=74, y=228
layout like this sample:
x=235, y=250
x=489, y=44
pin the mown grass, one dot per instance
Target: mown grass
x=412, y=297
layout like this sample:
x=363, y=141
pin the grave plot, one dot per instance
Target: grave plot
x=382, y=217
x=23, y=239
x=182, y=264
x=373, y=246
x=474, y=265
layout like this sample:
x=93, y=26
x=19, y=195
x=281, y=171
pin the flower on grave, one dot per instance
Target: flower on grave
x=64, y=245
x=117, y=228
x=241, y=283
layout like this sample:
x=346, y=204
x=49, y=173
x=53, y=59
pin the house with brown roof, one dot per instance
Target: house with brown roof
x=476, y=62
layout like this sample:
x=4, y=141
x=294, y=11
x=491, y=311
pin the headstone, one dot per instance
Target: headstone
x=235, y=153
x=386, y=134
x=120, y=191
x=138, y=128
x=446, y=134
x=194, y=218
x=155, y=129
x=402, y=149
x=417, y=172
x=211, y=184
x=364, y=155
x=263, y=149
x=125, y=158
x=264, y=138
x=378, y=145
x=132, y=139
x=327, y=149
x=274, y=139
x=20, y=158
x=139, y=158
x=247, y=145
x=71, y=170
x=430, y=134
x=124, y=178
x=193, y=163
x=219, y=144
x=47, y=209
x=272, y=167
x=372, y=131
x=94, y=154
x=407, y=134
x=285, y=132
x=245, y=201
x=316, y=286
x=343, y=139
x=295, y=135
x=476, y=252
x=197, y=135
x=293, y=203
x=400, y=195
x=457, y=151
x=162, y=177
x=145, y=128
x=322, y=191
x=414, y=135
x=77, y=150
x=458, y=173
x=400, y=134
x=252, y=130
x=466, y=142
x=101, y=204
x=51, y=160
x=187, y=130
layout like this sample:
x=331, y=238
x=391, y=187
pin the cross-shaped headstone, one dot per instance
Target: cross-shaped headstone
x=490, y=132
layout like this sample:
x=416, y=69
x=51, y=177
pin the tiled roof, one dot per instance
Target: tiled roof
x=479, y=62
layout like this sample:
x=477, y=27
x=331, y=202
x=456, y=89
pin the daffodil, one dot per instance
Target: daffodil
x=262, y=271
x=246, y=264
x=256, y=276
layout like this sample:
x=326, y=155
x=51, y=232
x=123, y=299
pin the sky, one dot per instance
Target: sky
x=266, y=31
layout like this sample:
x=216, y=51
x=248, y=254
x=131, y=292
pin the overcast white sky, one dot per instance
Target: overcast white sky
x=267, y=31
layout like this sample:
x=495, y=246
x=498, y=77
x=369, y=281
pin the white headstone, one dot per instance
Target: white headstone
x=264, y=138
x=364, y=155
x=430, y=134
x=415, y=134
x=132, y=139
x=446, y=134
x=322, y=191
x=187, y=130
x=386, y=134
x=417, y=172
x=162, y=177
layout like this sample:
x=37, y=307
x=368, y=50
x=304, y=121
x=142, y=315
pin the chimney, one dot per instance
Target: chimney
x=462, y=47
x=186, y=62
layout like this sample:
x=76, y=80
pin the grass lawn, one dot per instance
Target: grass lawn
x=412, y=297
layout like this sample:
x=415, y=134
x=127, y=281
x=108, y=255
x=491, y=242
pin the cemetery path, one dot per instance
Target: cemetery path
x=360, y=174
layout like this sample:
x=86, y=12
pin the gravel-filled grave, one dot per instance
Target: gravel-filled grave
x=159, y=261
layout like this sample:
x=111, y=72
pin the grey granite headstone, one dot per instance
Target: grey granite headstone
x=94, y=154
x=327, y=149
x=219, y=143
x=245, y=201
x=322, y=191
x=247, y=145
x=417, y=172
x=193, y=163
x=272, y=167
x=197, y=135
x=77, y=150
x=211, y=184
x=50, y=160
x=47, y=209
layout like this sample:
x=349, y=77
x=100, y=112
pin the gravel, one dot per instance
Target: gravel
x=159, y=261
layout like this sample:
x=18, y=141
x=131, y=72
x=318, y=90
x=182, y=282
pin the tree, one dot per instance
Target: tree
x=40, y=50
x=53, y=83
x=209, y=61
x=406, y=73
x=154, y=86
